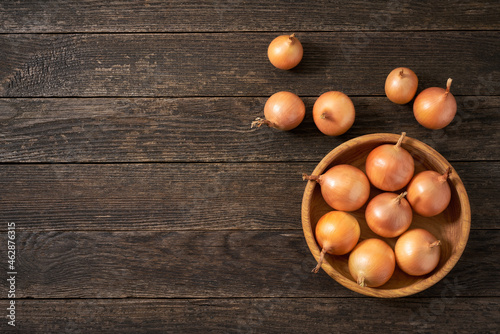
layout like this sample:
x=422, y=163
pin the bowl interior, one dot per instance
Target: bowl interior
x=451, y=227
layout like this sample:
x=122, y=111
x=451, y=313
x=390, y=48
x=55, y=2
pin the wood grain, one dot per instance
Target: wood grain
x=226, y=15
x=269, y=315
x=206, y=264
x=217, y=130
x=236, y=64
x=168, y=197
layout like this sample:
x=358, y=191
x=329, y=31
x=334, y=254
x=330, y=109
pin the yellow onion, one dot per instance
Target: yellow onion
x=434, y=107
x=344, y=187
x=285, y=52
x=372, y=263
x=429, y=192
x=401, y=85
x=333, y=113
x=388, y=214
x=283, y=111
x=390, y=167
x=417, y=252
x=337, y=233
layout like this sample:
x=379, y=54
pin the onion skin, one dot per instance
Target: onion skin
x=344, y=187
x=333, y=113
x=388, y=214
x=283, y=111
x=417, y=252
x=429, y=193
x=390, y=167
x=337, y=233
x=435, y=108
x=401, y=85
x=285, y=52
x=372, y=263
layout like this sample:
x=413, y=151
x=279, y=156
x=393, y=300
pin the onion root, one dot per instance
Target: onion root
x=311, y=177
x=320, y=261
x=400, y=140
x=448, y=86
x=259, y=121
x=446, y=175
x=435, y=243
x=361, y=281
x=400, y=197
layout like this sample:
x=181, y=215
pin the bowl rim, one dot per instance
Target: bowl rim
x=376, y=292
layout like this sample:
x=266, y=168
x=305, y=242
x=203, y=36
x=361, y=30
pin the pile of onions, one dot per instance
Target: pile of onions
x=401, y=85
x=283, y=111
x=333, y=113
x=390, y=167
x=435, y=107
x=337, y=233
x=388, y=214
x=344, y=187
x=285, y=52
x=372, y=263
x=417, y=252
x=429, y=192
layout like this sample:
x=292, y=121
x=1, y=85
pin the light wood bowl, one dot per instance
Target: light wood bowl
x=451, y=227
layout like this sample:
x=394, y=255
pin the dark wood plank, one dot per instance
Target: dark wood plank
x=297, y=315
x=217, y=129
x=168, y=197
x=206, y=264
x=237, y=15
x=236, y=63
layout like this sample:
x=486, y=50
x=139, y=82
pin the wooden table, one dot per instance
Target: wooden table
x=143, y=201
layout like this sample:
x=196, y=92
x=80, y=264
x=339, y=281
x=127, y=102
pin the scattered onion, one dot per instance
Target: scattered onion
x=390, y=167
x=333, y=113
x=372, y=263
x=283, y=110
x=417, y=252
x=388, y=214
x=401, y=85
x=429, y=192
x=285, y=52
x=344, y=187
x=337, y=233
x=435, y=107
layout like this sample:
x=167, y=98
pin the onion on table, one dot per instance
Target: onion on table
x=285, y=52
x=333, y=113
x=401, y=85
x=435, y=107
x=283, y=111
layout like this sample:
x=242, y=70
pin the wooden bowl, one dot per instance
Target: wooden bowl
x=451, y=227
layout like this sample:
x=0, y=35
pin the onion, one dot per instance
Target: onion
x=283, y=110
x=401, y=85
x=390, y=167
x=435, y=107
x=388, y=214
x=344, y=187
x=285, y=52
x=337, y=233
x=372, y=263
x=429, y=192
x=333, y=113
x=417, y=252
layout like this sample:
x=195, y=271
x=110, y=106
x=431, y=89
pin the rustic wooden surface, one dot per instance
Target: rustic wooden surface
x=145, y=203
